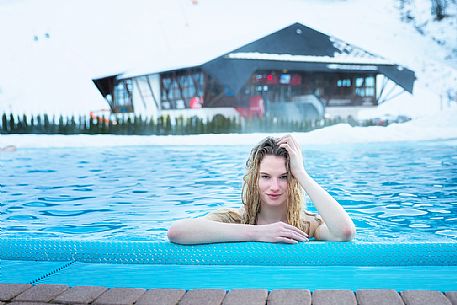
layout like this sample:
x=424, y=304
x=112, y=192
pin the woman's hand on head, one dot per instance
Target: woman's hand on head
x=295, y=154
x=279, y=232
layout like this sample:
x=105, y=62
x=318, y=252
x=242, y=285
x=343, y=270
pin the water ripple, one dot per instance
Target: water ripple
x=64, y=199
x=71, y=213
x=137, y=192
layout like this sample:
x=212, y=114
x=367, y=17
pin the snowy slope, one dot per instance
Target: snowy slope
x=52, y=49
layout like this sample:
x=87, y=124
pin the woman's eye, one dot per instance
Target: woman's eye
x=284, y=177
x=264, y=176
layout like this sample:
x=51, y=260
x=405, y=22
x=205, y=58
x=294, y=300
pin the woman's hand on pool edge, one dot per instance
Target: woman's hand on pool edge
x=202, y=231
x=279, y=232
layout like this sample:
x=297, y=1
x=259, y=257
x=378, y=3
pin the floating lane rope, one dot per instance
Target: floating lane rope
x=245, y=253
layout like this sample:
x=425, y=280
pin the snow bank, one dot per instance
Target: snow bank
x=421, y=129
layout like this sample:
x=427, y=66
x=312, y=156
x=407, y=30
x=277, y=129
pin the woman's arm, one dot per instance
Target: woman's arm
x=338, y=225
x=203, y=231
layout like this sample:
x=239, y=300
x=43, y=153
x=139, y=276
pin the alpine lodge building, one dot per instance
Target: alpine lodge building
x=295, y=73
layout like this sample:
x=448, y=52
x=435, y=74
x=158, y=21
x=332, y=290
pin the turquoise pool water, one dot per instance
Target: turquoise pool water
x=395, y=192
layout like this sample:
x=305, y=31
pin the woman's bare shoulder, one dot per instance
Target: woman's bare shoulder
x=228, y=215
x=309, y=216
x=311, y=222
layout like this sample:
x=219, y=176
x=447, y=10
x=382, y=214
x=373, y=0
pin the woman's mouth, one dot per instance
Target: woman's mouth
x=273, y=196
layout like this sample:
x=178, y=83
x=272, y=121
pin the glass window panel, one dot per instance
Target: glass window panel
x=166, y=82
x=129, y=85
x=174, y=90
x=359, y=82
x=369, y=81
x=343, y=83
x=360, y=91
x=369, y=91
x=197, y=78
x=190, y=86
x=166, y=105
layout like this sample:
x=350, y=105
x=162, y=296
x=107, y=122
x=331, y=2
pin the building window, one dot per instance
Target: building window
x=343, y=83
x=343, y=88
x=273, y=78
x=123, y=102
x=275, y=85
x=179, y=88
x=365, y=86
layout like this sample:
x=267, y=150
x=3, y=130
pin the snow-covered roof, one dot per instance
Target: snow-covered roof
x=298, y=47
x=337, y=59
x=164, y=65
x=293, y=47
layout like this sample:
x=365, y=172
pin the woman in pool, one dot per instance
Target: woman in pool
x=273, y=204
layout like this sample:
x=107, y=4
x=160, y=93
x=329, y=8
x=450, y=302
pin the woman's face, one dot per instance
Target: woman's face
x=273, y=181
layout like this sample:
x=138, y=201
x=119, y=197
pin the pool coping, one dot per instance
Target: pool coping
x=41, y=294
x=317, y=253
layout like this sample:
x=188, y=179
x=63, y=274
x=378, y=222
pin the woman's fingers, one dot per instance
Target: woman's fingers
x=289, y=143
x=288, y=139
x=286, y=240
x=285, y=142
x=290, y=149
x=295, y=229
x=286, y=146
x=293, y=148
x=284, y=233
x=290, y=240
x=294, y=235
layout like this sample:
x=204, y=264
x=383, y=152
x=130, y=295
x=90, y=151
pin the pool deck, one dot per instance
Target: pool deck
x=26, y=294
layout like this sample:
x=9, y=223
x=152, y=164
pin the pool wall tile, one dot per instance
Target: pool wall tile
x=119, y=296
x=161, y=296
x=41, y=293
x=254, y=277
x=203, y=296
x=378, y=297
x=246, y=296
x=424, y=297
x=80, y=295
x=22, y=272
x=334, y=297
x=289, y=297
x=9, y=291
x=452, y=296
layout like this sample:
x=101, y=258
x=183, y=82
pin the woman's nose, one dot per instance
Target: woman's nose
x=274, y=184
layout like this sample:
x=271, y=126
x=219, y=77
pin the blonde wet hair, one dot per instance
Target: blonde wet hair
x=250, y=195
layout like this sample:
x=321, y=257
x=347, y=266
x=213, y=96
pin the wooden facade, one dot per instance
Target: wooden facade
x=179, y=88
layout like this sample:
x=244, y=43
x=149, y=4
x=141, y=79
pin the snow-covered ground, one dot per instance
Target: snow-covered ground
x=52, y=49
x=421, y=129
